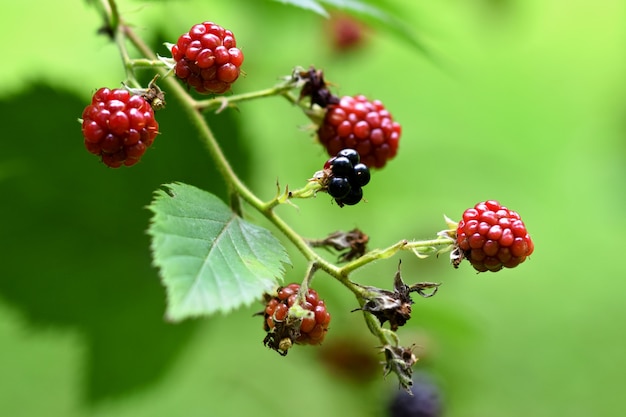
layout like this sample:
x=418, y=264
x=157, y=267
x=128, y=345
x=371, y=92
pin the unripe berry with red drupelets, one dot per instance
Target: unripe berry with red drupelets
x=363, y=125
x=207, y=58
x=312, y=330
x=118, y=126
x=493, y=237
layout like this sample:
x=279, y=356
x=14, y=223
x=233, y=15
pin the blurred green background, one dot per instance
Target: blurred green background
x=524, y=103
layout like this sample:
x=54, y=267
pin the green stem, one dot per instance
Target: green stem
x=307, y=191
x=223, y=102
x=385, y=336
x=111, y=14
x=372, y=256
x=146, y=63
x=117, y=27
x=440, y=241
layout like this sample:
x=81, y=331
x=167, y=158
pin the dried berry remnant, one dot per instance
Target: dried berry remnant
x=285, y=329
x=316, y=88
x=118, y=126
x=399, y=360
x=363, y=125
x=207, y=58
x=353, y=244
x=492, y=237
x=395, y=306
x=154, y=95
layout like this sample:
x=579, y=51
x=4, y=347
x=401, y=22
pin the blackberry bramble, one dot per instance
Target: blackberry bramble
x=363, y=125
x=118, y=126
x=207, y=58
x=493, y=237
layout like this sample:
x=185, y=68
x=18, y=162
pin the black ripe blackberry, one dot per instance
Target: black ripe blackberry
x=341, y=166
x=346, y=177
x=354, y=197
x=351, y=154
x=361, y=174
x=425, y=400
x=339, y=187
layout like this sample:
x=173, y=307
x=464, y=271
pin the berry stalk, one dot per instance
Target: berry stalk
x=222, y=102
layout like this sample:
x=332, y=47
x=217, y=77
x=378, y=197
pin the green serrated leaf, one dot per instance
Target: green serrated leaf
x=312, y=5
x=210, y=259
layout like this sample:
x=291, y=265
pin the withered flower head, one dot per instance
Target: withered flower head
x=395, y=306
x=352, y=244
x=400, y=360
x=316, y=88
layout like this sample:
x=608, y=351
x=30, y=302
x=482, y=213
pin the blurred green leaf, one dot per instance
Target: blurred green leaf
x=210, y=259
x=78, y=257
x=376, y=15
x=311, y=5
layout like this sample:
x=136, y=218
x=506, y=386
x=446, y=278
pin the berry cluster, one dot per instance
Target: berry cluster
x=492, y=237
x=311, y=330
x=118, y=126
x=207, y=58
x=363, y=125
x=347, y=177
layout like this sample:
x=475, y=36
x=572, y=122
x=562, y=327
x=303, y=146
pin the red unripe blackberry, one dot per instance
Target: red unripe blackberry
x=492, y=237
x=207, y=58
x=363, y=125
x=312, y=329
x=118, y=126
